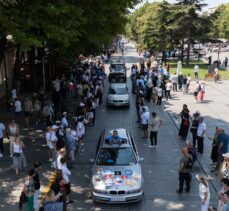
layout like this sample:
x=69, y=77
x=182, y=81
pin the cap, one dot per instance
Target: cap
x=226, y=155
x=82, y=104
x=64, y=113
x=55, y=127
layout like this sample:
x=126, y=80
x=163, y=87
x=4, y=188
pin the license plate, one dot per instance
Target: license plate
x=118, y=199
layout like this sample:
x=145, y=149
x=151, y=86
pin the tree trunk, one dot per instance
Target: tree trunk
x=17, y=65
x=3, y=42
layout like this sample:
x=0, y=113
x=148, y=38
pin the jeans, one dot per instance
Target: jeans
x=174, y=86
x=159, y=100
x=36, y=200
x=153, y=138
x=167, y=94
x=194, y=137
x=184, y=177
x=200, y=144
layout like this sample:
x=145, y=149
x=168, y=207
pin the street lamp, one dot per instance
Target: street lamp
x=9, y=38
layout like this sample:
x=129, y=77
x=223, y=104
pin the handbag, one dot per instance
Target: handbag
x=16, y=154
x=23, y=199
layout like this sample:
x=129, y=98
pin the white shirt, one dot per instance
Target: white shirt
x=201, y=128
x=168, y=86
x=2, y=128
x=17, y=105
x=196, y=69
x=59, y=164
x=52, y=139
x=175, y=79
x=64, y=121
x=66, y=173
x=189, y=80
x=159, y=90
x=202, y=190
x=145, y=118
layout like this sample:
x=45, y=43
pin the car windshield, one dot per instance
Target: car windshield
x=117, y=91
x=116, y=156
x=117, y=67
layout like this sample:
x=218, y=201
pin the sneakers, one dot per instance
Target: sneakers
x=153, y=147
x=179, y=191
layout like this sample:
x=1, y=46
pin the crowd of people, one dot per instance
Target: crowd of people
x=65, y=129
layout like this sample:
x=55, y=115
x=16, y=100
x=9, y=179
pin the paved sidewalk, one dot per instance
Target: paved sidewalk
x=215, y=111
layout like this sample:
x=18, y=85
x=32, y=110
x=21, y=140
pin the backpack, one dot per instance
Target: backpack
x=189, y=163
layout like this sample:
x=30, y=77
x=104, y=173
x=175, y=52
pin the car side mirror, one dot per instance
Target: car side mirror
x=140, y=160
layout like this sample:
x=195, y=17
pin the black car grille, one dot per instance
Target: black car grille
x=114, y=192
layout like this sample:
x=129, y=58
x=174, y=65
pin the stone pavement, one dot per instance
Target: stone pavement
x=160, y=167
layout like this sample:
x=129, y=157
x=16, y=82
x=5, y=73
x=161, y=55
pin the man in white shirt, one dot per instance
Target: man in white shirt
x=52, y=144
x=17, y=108
x=144, y=121
x=201, y=130
x=64, y=120
x=168, y=87
x=175, y=82
x=2, y=135
x=196, y=70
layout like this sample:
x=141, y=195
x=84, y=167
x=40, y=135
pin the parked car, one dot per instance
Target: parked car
x=116, y=172
x=118, y=95
x=117, y=71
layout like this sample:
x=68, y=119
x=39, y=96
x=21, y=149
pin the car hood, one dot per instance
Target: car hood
x=118, y=97
x=117, y=177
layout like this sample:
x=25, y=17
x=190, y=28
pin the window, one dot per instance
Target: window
x=117, y=91
x=116, y=156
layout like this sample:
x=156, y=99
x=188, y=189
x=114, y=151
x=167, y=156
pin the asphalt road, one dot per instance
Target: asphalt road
x=159, y=167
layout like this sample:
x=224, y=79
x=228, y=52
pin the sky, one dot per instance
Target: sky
x=211, y=3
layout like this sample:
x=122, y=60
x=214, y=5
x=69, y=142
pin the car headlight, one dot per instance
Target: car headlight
x=99, y=191
x=134, y=191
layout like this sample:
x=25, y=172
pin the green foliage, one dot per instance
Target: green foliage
x=68, y=27
x=220, y=22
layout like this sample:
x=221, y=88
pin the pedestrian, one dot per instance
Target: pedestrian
x=225, y=62
x=189, y=79
x=223, y=203
x=61, y=154
x=197, y=89
x=17, y=108
x=201, y=130
x=28, y=108
x=154, y=124
x=2, y=136
x=64, y=120
x=66, y=173
x=36, y=182
x=180, y=80
x=168, y=88
x=185, y=123
x=184, y=84
x=50, y=200
x=196, y=70
x=52, y=140
x=223, y=140
x=149, y=87
x=13, y=131
x=193, y=130
x=154, y=95
x=37, y=111
x=160, y=95
x=175, y=82
x=58, y=188
x=19, y=162
x=185, y=171
x=202, y=91
x=215, y=145
x=29, y=189
x=204, y=192
x=145, y=121
x=191, y=151
x=71, y=140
